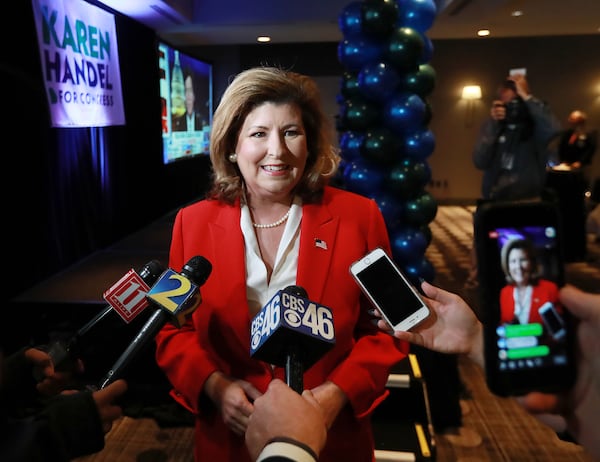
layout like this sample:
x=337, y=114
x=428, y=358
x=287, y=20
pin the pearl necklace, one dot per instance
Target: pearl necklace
x=275, y=223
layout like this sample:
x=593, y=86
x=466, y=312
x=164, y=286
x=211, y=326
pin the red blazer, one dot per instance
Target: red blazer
x=346, y=226
x=544, y=291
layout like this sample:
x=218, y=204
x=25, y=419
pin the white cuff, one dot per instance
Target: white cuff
x=280, y=448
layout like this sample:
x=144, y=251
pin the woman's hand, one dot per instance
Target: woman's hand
x=234, y=398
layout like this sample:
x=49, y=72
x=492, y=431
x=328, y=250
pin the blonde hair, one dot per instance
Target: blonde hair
x=250, y=89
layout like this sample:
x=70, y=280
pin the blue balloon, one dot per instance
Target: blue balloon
x=350, y=20
x=408, y=244
x=418, y=14
x=427, y=53
x=421, y=269
x=378, y=81
x=364, y=178
x=350, y=144
x=356, y=52
x=404, y=113
x=391, y=208
x=419, y=145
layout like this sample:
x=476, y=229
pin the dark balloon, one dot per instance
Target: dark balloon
x=408, y=178
x=378, y=81
x=408, y=244
x=381, y=146
x=358, y=114
x=354, y=53
x=419, y=145
x=404, y=49
x=426, y=230
x=349, y=85
x=420, y=210
x=421, y=82
x=364, y=178
x=379, y=18
x=404, y=113
x=418, y=14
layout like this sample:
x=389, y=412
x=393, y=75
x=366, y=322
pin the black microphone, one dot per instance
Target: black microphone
x=293, y=332
x=176, y=296
x=127, y=297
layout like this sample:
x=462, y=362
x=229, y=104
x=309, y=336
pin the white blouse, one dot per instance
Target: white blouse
x=259, y=291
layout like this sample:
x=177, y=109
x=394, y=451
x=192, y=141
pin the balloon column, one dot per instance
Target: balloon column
x=384, y=116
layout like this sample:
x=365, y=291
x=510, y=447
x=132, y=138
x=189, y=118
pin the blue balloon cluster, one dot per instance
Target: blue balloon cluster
x=384, y=118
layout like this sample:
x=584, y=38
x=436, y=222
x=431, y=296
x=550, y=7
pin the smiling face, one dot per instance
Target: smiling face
x=272, y=151
x=519, y=266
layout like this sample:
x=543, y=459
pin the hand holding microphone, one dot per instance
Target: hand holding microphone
x=127, y=297
x=175, y=296
x=293, y=332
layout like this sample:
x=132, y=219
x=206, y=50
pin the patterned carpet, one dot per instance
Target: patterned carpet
x=494, y=429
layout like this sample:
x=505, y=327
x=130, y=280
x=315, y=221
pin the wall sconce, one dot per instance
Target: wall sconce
x=470, y=93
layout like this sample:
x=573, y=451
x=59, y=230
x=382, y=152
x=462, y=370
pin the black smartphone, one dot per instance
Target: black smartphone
x=528, y=334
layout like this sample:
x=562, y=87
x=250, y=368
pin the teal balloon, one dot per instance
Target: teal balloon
x=420, y=210
x=349, y=85
x=404, y=49
x=408, y=177
x=404, y=113
x=421, y=82
x=358, y=114
x=419, y=145
x=408, y=244
x=426, y=230
x=379, y=18
x=355, y=52
x=378, y=81
x=381, y=146
x=418, y=14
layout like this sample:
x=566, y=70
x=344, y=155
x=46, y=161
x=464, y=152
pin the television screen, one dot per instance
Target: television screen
x=186, y=104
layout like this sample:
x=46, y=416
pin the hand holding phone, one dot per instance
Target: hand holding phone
x=389, y=290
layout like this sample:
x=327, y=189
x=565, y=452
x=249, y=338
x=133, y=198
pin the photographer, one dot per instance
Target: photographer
x=513, y=144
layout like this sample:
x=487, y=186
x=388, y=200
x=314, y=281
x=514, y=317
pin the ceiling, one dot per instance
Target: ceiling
x=229, y=22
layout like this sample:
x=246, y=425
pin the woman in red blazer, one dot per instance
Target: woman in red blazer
x=526, y=292
x=271, y=221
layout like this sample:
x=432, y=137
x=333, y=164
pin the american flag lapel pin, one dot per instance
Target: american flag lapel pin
x=320, y=243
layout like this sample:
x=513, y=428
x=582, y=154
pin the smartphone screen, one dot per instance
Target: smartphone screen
x=389, y=290
x=526, y=329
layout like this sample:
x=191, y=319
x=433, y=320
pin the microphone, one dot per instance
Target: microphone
x=176, y=296
x=293, y=332
x=127, y=297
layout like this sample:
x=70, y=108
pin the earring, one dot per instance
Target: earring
x=232, y=158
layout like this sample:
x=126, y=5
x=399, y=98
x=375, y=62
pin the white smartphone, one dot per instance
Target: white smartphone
x=518, y=71
x=389, y=290
x=552, y=320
